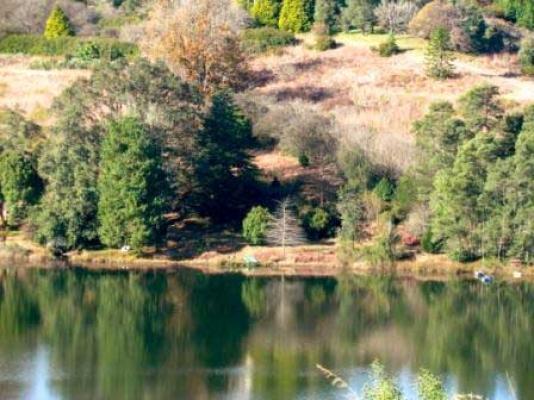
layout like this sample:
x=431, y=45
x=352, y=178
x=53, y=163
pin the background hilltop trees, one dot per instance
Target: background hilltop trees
x=266, y=12
x=296, y=15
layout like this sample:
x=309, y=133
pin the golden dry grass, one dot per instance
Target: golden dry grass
x=375, y=94
x=31, y=90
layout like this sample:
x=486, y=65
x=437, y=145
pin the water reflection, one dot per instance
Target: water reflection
x=81, y=335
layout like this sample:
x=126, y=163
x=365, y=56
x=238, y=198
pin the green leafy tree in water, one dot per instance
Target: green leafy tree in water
x=20, y=185
x=296, y=15
x=255, y=225
x=266, y=12
x=132, y=186
x=382, y=386
x=439, y=56
x=58, y=24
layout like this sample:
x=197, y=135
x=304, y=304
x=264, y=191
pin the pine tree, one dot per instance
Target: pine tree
x=296, y=15
x=58, y=24
x=266, y=12
x=439, y=56
x=522, y=199
x=132, y=186
x=225, y=175
x=326, y=15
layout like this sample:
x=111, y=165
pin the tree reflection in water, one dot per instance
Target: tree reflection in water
x=186, y=335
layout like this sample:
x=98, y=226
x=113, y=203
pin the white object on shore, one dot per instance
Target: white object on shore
x=125, y=248
x=517, y=275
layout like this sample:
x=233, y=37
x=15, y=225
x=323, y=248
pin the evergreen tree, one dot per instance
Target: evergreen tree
x=255, y=225
x=481, y=109
x=326, y=14
x=225, y=176
x=438, y=135
x=296, y=15
x=58, y=24
x=132, y=186
x=20, y=186
x=522, y=198
x=359, y=14
x=266, y=12
x=439, y=55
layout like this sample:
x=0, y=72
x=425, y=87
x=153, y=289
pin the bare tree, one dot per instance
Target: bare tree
x=395, y=15
x=284, y=229
x=198, y=40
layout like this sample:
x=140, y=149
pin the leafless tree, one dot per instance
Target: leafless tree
x=395, y=15
x=284, y=229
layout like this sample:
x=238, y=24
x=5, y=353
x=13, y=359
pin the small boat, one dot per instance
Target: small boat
x=517, y=275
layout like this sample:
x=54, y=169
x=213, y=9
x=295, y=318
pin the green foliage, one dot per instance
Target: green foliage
x=385, y=190
x=389, y=47
x=439, y=55
x=359, y=14
x=429, y=386
x=255, y=225
x=131, y=186
x=58, y=24
x=296, y=15
x=526, y=56
x=20, y=186
x=70, y=162
x=34, y=45
x=405, y=197
x=520, y=11
x=319, y=223
x=225, y=175
x=260, y=40
x=351, y=211
x=326, y=14
x=429, y=244
x=382, y=386
x=266, y=12
x=480, y=108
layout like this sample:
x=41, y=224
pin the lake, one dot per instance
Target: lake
x=75, y=334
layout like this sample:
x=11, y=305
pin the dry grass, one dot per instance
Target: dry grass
x=369, y=94
x=31, y=90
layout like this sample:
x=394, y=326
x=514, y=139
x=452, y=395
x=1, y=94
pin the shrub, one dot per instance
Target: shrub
x=430, y=386
x=385, y=190
x=260, y=40
x=437, y=13
x=35, y=45
x=57, y=24
x=382, y=386
x=429, y=244
x=389, y=47
x=320, y=223
x=526, y=56
x=255, y=225
x=324, y=42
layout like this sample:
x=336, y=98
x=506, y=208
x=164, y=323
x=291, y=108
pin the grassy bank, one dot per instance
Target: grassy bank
x=303, y=261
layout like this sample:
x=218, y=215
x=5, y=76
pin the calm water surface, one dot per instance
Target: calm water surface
x=182, y=335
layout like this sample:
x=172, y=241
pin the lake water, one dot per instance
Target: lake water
x=183, y=335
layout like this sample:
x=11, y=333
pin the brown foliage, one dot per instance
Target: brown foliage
x=198, y=40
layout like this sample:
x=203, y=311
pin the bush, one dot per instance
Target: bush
x=324, y=42
x=57, y=24
x=389, y=47
x=430, y=386
x=385, y=189
x=255, y=225
x=526, y=56
x=320, y=223
x=35, y=45
x=260, y=40
x=429, y=244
